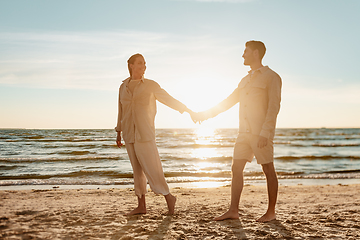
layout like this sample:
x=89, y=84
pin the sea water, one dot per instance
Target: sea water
x=190, y=157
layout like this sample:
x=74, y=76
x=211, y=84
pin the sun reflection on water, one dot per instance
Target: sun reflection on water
x=204, y=135
x=204, y=138
x=208, y=167
x=204, y=153
x=203, y=132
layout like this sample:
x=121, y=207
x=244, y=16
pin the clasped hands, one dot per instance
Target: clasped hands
x=197, y=117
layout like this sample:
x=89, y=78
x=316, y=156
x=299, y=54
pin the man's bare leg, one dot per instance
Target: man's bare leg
x=237, y=184
x=141, y=208
x=170, y=200
x=272, y=187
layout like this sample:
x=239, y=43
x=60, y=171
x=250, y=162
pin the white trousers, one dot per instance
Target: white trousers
x=146, y=164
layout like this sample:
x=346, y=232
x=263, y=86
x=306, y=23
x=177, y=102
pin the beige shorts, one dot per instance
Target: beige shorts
x=246, y=148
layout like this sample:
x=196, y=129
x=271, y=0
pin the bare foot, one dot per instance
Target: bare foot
x=267, y=217
x=228, y=215
x=170, y=200
x=138, y=210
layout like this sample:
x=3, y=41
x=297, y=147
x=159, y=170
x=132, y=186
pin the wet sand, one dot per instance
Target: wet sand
x=303, y=212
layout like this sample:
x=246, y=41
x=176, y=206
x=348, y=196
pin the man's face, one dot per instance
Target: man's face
x=139, y=67
x=248, y=56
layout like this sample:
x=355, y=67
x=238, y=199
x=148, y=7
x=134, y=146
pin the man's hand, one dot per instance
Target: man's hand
x=198, y=117
x=262, y=142
x=195, y=117
x=118, y=140
x=192, y=114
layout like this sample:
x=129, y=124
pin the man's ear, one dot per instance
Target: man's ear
x=256, y=53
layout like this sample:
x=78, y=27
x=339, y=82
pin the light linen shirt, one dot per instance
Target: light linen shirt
x=137, y=110
x=259, y=94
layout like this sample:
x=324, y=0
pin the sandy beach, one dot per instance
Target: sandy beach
x=303, y=212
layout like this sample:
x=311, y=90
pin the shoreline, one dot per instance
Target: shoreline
x=198, y=184
x=303, y=212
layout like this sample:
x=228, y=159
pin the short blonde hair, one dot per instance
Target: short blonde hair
x=260, y=46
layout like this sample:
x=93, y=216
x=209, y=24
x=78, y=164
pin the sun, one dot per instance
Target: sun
x=201, y=93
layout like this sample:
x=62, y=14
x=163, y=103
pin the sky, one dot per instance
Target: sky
x=62, y=62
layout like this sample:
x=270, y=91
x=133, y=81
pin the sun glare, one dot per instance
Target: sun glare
x=204, y=132
x=204, y=135
x=204, y=138
x=204, y=153
x=204, y=92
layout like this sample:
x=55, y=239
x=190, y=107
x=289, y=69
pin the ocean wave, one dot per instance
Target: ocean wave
x=175, y=179
x=325, y=157
x=344, y=171
x=7, y=168
x=84, y=146
x=324, y=176
x=77, y=174
x=196, y=146
x=56, y=182
x=54, y=140
x=66, y=159
x=85, y=156
x=180, y=174
x=336, y=145
x=166, y=158
x=218, y=174
x=90, y=156
x=74, y=152
x=318, y=138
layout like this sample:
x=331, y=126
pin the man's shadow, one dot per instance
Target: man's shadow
x=130, y=221
x=162, y=228
x=279, y=228
x=160, y=231
x=235, y=226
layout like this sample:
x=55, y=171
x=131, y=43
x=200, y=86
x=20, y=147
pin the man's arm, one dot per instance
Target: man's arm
x=223, y=106
x=274, y=93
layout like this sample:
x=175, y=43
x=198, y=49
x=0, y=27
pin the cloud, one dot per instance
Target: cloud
x=97, y=60
x=66, y=60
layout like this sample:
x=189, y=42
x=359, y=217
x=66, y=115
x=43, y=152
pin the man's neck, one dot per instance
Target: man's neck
x=256, y=66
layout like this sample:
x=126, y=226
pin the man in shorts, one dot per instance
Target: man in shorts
x=259, y=95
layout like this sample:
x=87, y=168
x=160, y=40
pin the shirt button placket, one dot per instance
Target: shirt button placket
x=133, y=111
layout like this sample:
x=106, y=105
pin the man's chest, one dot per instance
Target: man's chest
x=252, y=88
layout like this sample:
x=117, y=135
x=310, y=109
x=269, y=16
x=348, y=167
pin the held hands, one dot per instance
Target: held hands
x=197, y=117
